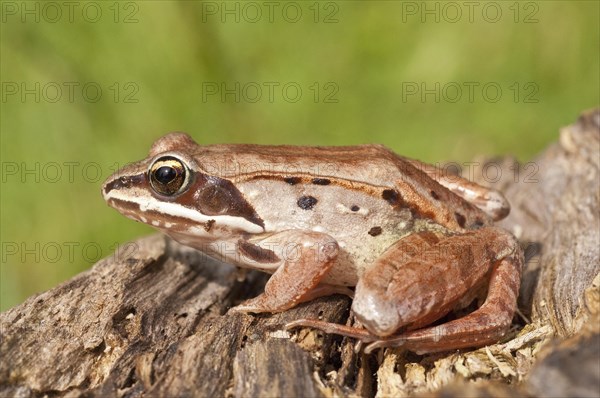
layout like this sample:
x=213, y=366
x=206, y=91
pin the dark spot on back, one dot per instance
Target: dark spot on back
x=434, y=195
x=375, y=231
x=208, y=225
x=460, y=219
x=355, y=208
x=429, y=237
x=418, y=213
x=428, y=215
x=391, y=196
x=478, y=223
x=307, y=202
x=321, y=181
x=257, y=253
x=292, y=180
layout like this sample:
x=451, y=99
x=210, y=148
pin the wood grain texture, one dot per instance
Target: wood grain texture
x=556, y=204
x=152, y=319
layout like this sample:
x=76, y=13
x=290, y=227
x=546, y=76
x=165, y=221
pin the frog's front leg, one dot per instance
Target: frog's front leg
x=420, y=279
x=302, y=258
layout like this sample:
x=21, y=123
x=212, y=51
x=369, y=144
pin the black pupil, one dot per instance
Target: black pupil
x=165, y=174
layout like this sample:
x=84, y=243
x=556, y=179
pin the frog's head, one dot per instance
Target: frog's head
x=171, y=192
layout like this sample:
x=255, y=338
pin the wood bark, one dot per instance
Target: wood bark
x=152, y=319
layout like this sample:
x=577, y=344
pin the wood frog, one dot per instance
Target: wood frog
x=415, y=242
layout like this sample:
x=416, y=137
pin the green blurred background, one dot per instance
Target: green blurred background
x=158, y=65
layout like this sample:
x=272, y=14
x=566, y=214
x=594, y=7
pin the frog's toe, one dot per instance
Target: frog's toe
x=255, y=305
x=396, y=342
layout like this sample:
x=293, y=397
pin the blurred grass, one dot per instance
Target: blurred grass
x=61, y=227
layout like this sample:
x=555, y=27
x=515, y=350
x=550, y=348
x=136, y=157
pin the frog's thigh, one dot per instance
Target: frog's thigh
x=306, y=257
x=416, y=281
x=488, y=323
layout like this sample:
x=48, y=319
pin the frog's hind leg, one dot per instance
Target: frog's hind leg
x=489, y=322
x=304, y=259
x=422, y=277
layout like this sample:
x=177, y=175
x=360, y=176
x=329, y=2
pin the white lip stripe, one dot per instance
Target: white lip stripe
x=178, y=210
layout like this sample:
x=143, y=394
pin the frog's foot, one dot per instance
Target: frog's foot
x=306, y=257
x=361, y=334
x=321, y=290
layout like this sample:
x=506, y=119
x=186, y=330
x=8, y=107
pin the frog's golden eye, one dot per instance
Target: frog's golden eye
x=168, y=175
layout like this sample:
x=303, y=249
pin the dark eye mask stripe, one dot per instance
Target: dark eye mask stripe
x=233, y=201
x=125, y=182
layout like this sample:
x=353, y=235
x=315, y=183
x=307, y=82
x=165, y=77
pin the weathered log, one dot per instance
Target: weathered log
x=152, y=319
